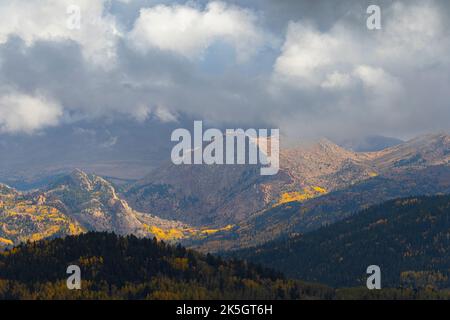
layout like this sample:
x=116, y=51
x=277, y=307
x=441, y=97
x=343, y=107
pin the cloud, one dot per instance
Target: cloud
x=165, y=115
x=336, y=80
x=143, y=112
x=376, y=79
x=307, y=54
x=50, y=20
x=325, y=74
x=24, y=113
x=111, y=142
x=413, y=36
x=348, y=80
x=189, y=31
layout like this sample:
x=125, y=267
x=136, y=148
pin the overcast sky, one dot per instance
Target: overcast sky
x=310, y=68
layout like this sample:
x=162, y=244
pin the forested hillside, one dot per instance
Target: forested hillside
x=131, y=268
x=115, y=267
x=408, y=238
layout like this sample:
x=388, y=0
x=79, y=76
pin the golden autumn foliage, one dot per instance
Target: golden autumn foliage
x=22, y=220
x=173, y=234
x=170, y=234
x=45, y=234
x=300, y=196
x=207, y=232
x=320, y=189
x=6, y=241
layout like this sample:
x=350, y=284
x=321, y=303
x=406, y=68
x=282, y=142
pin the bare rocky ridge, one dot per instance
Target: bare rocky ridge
x=94, y=203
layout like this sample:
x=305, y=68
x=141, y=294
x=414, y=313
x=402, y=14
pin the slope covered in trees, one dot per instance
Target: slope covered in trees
x=115, y=267
x=408, y=238
x=132, y=268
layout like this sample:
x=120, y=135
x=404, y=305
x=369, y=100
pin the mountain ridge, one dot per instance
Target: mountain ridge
x=86, y=202
x=229, y=207
x=208, y=193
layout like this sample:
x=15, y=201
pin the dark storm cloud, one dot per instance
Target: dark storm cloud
x=314, y=70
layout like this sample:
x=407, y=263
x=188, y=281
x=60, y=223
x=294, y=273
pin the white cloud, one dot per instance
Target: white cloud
x=413, y=36
x=189, y=31
x=141, y=112
x=345, y=76
x=376, y=78
x=47, y=20
x=336, y=80
x=329, y=76
x=308, y=54
x=111, y=142
x=24, y=113
x=165, y=115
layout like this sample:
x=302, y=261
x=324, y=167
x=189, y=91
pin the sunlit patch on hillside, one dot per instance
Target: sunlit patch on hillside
x=22, y=220
x=6, y=241
x=301, y=196
x=170, y=234
x=173, y=234
x=207, y=232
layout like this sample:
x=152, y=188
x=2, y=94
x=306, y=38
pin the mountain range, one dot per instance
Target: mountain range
x=216, y=208
x=318, y=184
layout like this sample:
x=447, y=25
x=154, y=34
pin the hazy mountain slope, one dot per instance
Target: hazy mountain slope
x=408, y=238
x=229, y=207
x=298, y=217
x=325, y=164
x=204, y=194
x=318, y=183
x=423, y=151
x=228, y=194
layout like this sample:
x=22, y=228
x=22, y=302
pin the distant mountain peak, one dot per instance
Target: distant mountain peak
x=80, y=177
